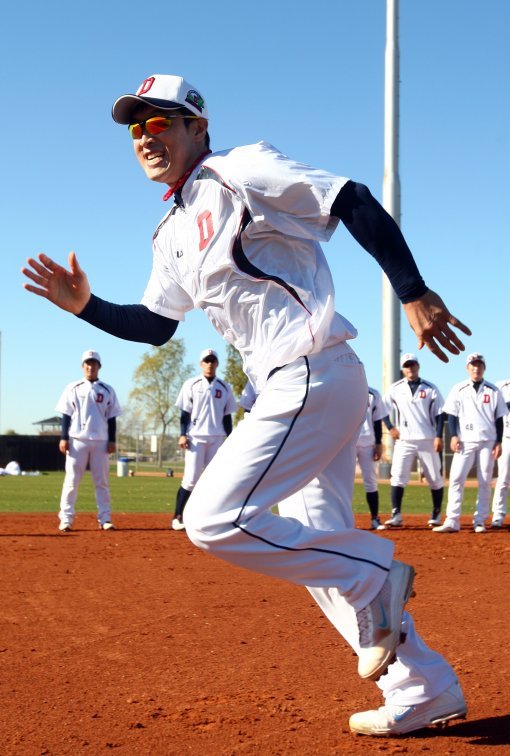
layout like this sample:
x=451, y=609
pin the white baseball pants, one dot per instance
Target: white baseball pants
x=404, y=454
x=81, y=453
x=503, y=481
x=196, y=458
x=368, y=467
x=462, y=462
x=297, y=449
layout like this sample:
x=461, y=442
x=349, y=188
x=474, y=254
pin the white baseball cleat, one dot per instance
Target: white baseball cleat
x=395, y=521
x=380, y=622
x=497, y=524
x=434, y=521
x=107, y=526
x=397, y=720
x=375, y=524
x=65, y=527
x=177, y=524
x=445, y=528
x=479, y=528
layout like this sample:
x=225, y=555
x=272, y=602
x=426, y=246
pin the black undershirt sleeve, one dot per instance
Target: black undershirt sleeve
x=388, y=423
x=500, y=424
x=227, y=424
x=376, y=231
x=378, y=431
x=131, y=322
x=453, y=424
x=439, y=425
x=185, y=422
x=112, y=429
x=66, y=424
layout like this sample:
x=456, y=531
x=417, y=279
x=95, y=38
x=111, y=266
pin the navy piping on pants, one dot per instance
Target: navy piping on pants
x=246, y=501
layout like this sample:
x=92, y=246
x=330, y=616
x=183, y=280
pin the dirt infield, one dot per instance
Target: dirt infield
x=135, y=642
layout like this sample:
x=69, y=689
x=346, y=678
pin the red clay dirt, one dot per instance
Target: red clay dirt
x=135, y=642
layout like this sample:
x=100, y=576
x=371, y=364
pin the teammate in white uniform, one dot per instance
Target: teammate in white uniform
x=206, y=405
x=241, y=242
x=369, y=451
x=418, y=433
x=89, y=408
x=476, y=410
x=500, y=497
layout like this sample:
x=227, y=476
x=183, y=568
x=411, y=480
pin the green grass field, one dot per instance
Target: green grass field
x=157, y=494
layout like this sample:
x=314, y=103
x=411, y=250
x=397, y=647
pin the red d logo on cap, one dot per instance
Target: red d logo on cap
x=146, y=85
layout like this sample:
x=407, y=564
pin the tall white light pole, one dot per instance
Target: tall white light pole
x=391, y=196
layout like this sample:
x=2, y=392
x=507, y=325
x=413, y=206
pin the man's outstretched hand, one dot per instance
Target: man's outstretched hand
x=68, y=289
x=430, y=319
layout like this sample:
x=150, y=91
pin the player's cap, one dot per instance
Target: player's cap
x=208, y=353
x=408, y=357
x=475, y=357
x=90, y=354
x=163, y=92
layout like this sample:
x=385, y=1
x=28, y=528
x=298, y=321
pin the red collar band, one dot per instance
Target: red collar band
x=184, y=177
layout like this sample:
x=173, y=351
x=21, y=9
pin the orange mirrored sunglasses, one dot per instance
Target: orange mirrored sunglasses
x=153, y=126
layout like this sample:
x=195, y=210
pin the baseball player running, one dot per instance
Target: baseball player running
x=501, y=490
x=369, y=451
x=89, y=410
x=418, y=433
x=206, y=404
x=241, y=242
x=476, y=410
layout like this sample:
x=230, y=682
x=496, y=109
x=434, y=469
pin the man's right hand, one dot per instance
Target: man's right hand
x=63, y=445
x=455, y=444
x=183, y=442
x=68, y=289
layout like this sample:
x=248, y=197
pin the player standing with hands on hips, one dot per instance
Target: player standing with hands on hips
x=475, y=410
x=418, y=433
x=241, y=242
x=89, y=410
x=206, y=405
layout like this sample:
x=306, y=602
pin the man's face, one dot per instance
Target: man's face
x=209, y=366
x=476, y=370
x=167, y=156
x=91, y=369
x=411, y=370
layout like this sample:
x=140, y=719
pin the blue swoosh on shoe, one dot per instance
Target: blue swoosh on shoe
x=403, y=714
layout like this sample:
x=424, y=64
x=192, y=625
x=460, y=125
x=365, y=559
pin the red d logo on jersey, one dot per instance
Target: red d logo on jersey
x=422, y=394
x=99, y=398
x=217, y=394
x=486, y=398
x=146, y=85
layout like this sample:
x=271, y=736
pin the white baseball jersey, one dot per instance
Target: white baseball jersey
x=477, y=410
x=504, y=387
x=415, y=414
x=243, y=246
x=90, y=404
x=207, y=403
x=375, y=411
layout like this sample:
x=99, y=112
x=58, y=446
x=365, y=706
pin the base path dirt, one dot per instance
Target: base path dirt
x=136, y=642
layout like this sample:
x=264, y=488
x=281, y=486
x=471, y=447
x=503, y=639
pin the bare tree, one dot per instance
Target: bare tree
x=158, y=379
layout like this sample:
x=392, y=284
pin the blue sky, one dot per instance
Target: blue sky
x=307, y=77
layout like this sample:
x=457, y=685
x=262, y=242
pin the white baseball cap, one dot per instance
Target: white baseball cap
x=408, y=357
x=208, y=353
x=163, y=92
x=475, y=357
x=90, y=354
